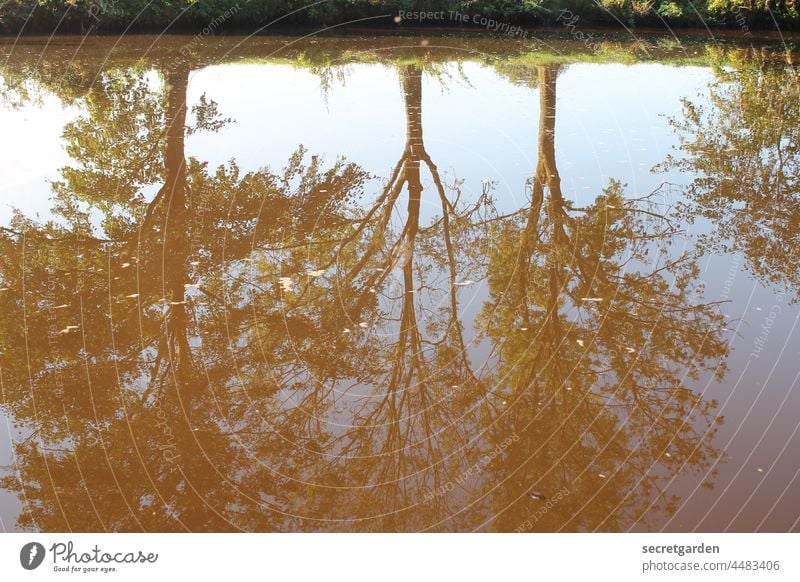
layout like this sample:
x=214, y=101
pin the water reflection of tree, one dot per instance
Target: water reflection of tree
x=179, y=340
x=269, y=351
x=122, y=413
x=396, y=292
x=595, y=344
x=742, y=149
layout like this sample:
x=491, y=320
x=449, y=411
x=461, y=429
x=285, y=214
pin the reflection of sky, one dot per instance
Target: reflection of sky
x=31, y=152
x=611, y=123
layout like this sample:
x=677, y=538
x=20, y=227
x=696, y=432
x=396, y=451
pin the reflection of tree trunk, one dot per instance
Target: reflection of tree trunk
x=175, y=249
x=408, y=407
x=546, y=176
x=544, y=365
x=412, y=92
x=409, y=333
x=547, y=173
x=177, y=84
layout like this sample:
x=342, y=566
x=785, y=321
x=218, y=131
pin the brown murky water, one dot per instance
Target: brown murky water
x=399, y=284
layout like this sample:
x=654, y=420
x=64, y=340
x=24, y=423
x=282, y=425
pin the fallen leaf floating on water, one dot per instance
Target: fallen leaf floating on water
x=317, y=273
x=286, y=283
x=536, y=496
x=465, y=282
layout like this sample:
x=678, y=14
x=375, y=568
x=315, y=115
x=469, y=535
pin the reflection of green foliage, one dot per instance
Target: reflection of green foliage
x=586, y=379
x=597, y=327
x=70, y=74
x=115, y=158
x=249, y=403
x=97, y=405
x=744, y=149
x=521, y=68
x=275, y=393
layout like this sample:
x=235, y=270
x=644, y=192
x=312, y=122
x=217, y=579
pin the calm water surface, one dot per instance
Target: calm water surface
x=399, y=284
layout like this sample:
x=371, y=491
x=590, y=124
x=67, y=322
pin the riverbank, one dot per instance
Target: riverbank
x=507, y=17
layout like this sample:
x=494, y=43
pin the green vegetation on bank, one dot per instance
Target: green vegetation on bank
x=214, y=16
